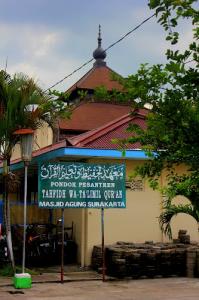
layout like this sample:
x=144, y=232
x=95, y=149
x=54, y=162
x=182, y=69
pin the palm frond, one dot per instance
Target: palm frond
x=17, y=95
x=172, y=210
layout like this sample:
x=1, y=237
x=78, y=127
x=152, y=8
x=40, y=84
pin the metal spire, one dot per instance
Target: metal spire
x=99, y=54
x=99, y=37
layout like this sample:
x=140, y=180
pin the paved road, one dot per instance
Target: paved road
x=144, y=289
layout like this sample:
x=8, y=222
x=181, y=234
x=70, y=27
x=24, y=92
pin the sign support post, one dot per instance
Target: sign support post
x=103, y=250
x=62, y=247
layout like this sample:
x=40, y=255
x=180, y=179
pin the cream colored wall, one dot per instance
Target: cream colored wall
x=42, y=137
x=138, y=222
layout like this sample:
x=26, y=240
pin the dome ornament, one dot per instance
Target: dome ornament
x=99, y=54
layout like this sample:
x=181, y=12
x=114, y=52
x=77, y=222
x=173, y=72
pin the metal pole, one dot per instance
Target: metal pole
x=24, y=216
x=103, y=252
x=83, y=237
x=62, y=249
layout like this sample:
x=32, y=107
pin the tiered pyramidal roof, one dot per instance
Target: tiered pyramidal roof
x=95, y=123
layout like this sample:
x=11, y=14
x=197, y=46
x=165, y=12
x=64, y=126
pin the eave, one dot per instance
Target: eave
x=59, y=151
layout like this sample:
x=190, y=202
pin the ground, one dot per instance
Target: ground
x=87, y=286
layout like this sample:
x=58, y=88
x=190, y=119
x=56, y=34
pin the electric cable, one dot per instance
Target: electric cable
x=109, y=47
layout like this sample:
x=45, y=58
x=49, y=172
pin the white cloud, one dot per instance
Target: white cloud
x=37, y=41
x=42, y=44
x=37, y=52
x=50, y=53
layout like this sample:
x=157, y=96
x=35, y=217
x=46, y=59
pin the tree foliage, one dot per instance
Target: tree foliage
x=22, y=105
x=171, y=90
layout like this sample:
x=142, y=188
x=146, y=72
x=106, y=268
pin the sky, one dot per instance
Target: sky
x=48, y=39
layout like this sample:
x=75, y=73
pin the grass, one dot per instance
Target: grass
x=7, y=270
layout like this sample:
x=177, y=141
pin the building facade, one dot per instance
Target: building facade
x=87, y=137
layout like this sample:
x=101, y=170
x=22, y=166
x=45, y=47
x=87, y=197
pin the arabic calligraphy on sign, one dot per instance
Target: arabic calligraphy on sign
x=81, y=171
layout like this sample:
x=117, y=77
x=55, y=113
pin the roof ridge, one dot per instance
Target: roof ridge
x=102, y=130
x=88, y=73
x=92, y=132
x=91, y=101
x=76, y=83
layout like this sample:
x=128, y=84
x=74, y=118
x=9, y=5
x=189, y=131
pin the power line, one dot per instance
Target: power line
x=128, y=33
x=109, y=47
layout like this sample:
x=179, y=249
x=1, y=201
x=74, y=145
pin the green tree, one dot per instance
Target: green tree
x=22, y=105
x=172, y=93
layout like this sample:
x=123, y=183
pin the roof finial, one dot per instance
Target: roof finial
x=99, y=54
x=99, y=37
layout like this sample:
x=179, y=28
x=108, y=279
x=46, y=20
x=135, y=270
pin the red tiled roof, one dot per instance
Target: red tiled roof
x=102, y=137
x=97, y=76
x=99, y=138
x=91, y=115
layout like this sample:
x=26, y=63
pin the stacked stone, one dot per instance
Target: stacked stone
x=197, y=263
x=96, y=259
x=191, y=262
x=183, y=237
x=151, y=269
x=165, y=262
x=133, y=264
x=146, y=260
x=179, y=261
x=115, y=262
